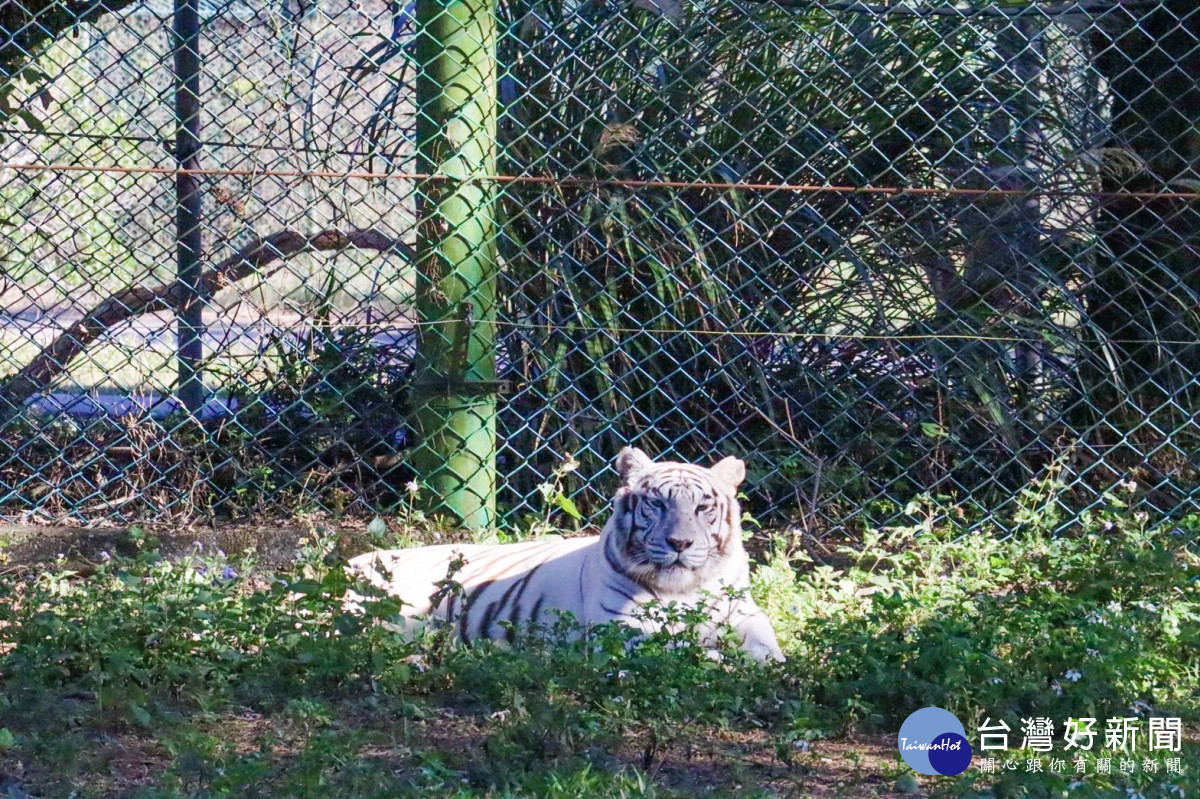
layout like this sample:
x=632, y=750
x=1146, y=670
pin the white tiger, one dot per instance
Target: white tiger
x=675, y=532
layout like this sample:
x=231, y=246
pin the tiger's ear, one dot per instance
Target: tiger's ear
x=730, y=470
x=630, y=461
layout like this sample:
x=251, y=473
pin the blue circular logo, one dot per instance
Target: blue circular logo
x=933, y=741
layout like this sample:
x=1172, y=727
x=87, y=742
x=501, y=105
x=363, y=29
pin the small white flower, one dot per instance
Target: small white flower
x=997, y=680
x=1141, y=516
x=1130, y=485
x=1108, y=525
x=1074, y=675
x=800, y=745
x=1056, y=688
x=1093, y=653
x=1114, y=607
x=1095, y=617
x=437, y=536
x=412, y=488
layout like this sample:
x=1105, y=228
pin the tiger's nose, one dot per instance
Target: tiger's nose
x=679, y=544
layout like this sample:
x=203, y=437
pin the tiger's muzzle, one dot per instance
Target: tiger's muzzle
x=685, y=543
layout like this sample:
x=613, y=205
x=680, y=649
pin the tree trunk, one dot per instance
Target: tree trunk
x=1148, y=274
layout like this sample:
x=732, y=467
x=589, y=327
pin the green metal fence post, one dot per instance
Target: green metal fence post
x=454, y=385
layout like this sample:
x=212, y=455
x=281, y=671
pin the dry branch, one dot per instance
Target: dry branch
x=135, y=301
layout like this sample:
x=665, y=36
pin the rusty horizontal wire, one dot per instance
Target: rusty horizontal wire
x=540, y=180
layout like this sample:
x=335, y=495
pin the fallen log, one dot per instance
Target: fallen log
x=135, y=301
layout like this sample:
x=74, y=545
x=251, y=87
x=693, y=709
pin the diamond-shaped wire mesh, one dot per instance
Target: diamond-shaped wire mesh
x=878, y=251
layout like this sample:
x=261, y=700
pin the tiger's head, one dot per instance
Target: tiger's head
x=674, y=525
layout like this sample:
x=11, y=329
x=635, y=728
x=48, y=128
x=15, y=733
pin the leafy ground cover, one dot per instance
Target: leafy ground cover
x=144, y=670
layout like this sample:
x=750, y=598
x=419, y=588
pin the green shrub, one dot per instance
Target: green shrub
x=1101, y=621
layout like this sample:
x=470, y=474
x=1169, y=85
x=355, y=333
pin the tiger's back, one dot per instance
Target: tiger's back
x=503, y=587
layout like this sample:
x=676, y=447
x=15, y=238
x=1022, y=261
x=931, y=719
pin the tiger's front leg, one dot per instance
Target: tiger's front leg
x=755, y=630
x=758, y=636
x=751, y=624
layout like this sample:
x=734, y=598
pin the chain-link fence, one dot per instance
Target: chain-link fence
x=876, y=250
